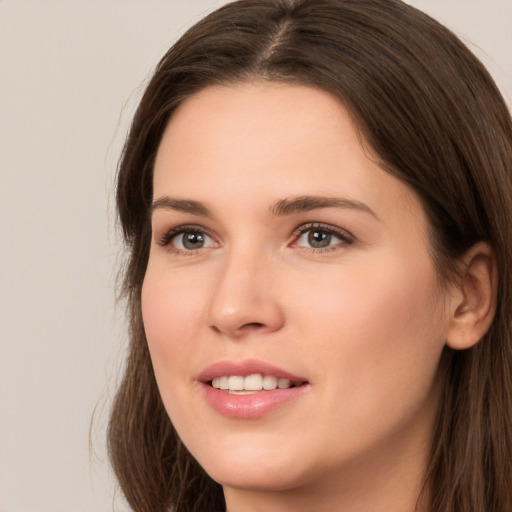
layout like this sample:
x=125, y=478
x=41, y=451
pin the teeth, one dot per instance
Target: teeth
x=283, y=383
x=254, y=382
x=236, y=383
x=269, y=382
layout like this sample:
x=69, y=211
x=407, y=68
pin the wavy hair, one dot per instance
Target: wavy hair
x=431, y=112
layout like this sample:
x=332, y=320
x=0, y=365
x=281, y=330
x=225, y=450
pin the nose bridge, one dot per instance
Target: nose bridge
x=244, y=298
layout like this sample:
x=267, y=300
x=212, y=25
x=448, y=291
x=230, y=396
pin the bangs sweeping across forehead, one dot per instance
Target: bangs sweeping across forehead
x=435, y=119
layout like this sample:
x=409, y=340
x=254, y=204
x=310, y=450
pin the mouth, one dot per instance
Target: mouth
x=250, y=389
x=254, y=383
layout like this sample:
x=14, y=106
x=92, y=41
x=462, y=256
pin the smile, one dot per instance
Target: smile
x=249, y=389
x=236, y=384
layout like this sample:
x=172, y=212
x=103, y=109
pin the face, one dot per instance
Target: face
x=293, y=313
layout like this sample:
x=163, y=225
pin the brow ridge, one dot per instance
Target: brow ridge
x=281, y=207
x=181, y=205
x=307, y=203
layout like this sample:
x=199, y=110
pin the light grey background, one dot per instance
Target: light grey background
x=71, y=72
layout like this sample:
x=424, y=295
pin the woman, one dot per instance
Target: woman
x=316, y=195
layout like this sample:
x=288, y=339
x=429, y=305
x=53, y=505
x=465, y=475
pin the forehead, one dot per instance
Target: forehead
x=268, y=139
x=258, y=114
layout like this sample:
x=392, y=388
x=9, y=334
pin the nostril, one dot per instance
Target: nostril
x=248, y=327
x=252, y=326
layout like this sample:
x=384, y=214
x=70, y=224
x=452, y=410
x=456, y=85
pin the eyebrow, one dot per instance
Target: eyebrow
x=308, y=203
x=282, y=207
x=181, y=205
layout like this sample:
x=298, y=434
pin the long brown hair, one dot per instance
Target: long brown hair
x=433, y=115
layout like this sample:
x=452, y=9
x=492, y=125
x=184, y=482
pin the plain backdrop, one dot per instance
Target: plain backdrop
x=71, y=72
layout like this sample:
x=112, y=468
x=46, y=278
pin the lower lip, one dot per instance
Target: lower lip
x=250, y=406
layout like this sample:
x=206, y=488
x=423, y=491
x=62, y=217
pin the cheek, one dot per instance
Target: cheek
x=170, y=312
x=381, y=335
x=170, y=319
x=401, y=336
x=375, y=302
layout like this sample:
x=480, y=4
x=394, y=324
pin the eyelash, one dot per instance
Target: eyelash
x=345, y=237
x=168, y=236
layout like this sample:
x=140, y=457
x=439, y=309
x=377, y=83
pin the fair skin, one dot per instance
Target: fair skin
x=339, y=290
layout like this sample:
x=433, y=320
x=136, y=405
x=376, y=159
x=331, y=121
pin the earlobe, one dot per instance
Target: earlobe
x=473, y=305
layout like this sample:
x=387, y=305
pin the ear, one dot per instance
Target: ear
x=473, y=302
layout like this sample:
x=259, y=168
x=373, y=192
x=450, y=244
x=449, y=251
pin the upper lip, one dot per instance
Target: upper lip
x=245, y=368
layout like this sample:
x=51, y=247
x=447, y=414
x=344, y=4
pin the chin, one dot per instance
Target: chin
x=253, y=469
x=259, y=479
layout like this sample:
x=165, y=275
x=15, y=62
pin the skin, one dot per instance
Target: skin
x=364, y=320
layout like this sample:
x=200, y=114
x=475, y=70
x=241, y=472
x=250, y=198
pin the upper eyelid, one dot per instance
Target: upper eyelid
x=182, y=227
x=336, y=230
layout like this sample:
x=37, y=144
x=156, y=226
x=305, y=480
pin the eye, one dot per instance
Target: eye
x=190, y=240
x=187, y=239
x=321, y=237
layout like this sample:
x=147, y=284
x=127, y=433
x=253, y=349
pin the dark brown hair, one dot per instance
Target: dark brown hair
x=433, y=115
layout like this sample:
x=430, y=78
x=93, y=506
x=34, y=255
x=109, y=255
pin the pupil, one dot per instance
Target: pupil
x=193, y=240
x=318, y=239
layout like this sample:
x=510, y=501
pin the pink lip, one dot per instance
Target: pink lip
x=254, y=405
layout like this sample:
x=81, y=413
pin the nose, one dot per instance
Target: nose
x=245, y=299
